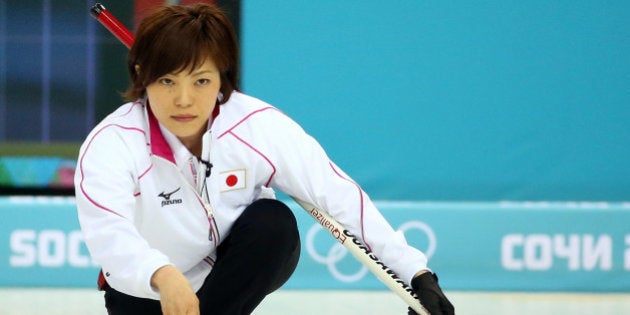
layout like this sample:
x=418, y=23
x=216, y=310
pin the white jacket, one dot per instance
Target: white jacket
x=141, y=207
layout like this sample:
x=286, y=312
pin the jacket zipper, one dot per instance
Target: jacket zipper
x=203, y=170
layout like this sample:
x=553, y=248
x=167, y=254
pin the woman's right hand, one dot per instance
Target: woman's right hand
x=177, y=297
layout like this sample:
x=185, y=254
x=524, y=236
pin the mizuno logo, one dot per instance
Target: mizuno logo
x=167, y=198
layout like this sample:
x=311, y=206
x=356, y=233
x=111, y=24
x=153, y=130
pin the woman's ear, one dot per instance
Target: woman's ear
x=137, y=67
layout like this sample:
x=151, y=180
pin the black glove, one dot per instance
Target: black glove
x=430, y=295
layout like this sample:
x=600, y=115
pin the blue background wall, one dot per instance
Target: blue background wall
x=480, y=100
x=417, y=100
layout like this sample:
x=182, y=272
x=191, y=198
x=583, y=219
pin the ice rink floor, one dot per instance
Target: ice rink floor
x=27, y=301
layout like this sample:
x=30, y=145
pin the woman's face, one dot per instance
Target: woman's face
x=184, y=101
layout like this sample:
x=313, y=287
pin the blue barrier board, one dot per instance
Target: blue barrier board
x=535, y=246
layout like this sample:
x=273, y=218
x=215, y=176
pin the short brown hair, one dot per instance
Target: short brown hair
x=174, y=38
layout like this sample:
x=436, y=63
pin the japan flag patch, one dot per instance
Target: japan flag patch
x=233, y=180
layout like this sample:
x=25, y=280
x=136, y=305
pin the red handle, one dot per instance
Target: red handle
x=123, y=34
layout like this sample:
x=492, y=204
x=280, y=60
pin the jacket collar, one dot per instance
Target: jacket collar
x=159, y=144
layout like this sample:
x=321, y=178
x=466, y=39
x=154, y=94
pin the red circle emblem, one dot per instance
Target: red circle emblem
x=231, y=180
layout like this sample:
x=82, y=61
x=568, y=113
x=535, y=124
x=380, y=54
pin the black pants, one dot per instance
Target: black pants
x=257, y=258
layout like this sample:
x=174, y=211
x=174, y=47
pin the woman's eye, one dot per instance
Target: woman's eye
x=166, y=81
x=203, y=81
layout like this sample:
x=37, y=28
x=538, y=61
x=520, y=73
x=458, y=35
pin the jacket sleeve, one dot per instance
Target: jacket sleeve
x=105, y=183
x=304, y=171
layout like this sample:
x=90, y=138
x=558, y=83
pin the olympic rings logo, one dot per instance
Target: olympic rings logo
x=337, y=252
